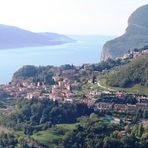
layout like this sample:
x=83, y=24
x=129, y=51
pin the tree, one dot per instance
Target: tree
x=145, y=114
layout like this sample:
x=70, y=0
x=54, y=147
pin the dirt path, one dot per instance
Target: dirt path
x=98, y=83
x=101, y=86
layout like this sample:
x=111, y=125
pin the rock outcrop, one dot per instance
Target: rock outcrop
x=135, y=36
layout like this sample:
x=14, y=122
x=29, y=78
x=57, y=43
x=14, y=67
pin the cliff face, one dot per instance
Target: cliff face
x=135, y=36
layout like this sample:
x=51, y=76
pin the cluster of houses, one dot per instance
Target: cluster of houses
x=65, y=89
x=67, y=83
x=120, y=107
x=24, y=89
x=133, y=54
x=62, y=90
x=142, y=103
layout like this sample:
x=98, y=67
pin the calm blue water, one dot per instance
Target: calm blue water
x=86, y=49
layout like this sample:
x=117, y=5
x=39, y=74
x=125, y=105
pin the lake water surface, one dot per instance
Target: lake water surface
x=86, y=49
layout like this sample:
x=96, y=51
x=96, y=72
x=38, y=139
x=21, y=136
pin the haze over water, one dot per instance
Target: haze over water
x=86, y=49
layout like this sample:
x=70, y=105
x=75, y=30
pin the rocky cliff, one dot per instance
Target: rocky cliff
x=135, y=36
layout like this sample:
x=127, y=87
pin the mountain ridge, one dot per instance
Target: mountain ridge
x=135, y=36
x=15, y=37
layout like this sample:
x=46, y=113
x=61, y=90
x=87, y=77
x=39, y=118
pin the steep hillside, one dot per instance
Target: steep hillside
x=135, y=72
x=14, y=37
x=135, y=36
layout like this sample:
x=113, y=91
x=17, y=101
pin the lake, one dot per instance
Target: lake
x=86, y=49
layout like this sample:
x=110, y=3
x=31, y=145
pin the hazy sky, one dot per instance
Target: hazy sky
x=105, y=17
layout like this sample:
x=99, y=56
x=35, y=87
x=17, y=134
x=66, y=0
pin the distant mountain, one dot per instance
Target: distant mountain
x=14, y=37
x=136, y=36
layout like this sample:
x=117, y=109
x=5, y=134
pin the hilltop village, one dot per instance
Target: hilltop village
x=134, y=53
x=80, y=84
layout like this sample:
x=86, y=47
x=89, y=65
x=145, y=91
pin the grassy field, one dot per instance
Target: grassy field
x=53, y=135
x=137, y=89
x=46, y=137
x=67, y=126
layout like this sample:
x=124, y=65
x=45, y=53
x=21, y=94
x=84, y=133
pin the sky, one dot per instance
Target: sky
x=85, y=17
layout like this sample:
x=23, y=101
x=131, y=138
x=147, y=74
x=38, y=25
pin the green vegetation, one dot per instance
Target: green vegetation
x=38, y=74
x=130, y=99
x=8, y=140
x=92, y=132
x=67, y=126
x=11, y=140
x=136, y=72
x=7, y=102
x=45, y=73
x=53, y=136
x=36, y=115
x=135, y=89
x=80, y=127
x=109, y=64
x=47, y=137
x=45, y=123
